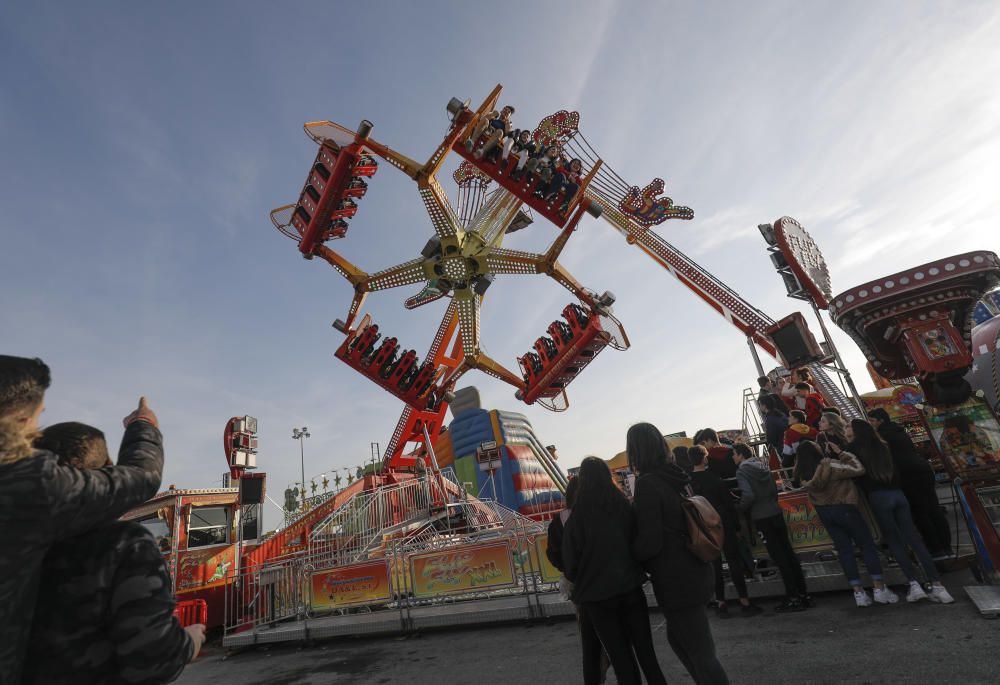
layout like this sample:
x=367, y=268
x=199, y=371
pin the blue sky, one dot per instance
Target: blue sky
x=144, y=144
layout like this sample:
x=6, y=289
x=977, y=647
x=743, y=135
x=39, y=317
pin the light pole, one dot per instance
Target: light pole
x=299, y=434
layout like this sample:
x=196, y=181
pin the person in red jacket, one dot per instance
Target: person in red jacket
x=797, y=430
x=810, y=402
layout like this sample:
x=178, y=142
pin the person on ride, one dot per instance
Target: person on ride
x=595, y=660
x=546, y=169
x=42, y=501
x=682, y=582
x=711, y=487
x=917, y=480
x=568, y=178
x=798, y=430
x=759, y=497
x=607, y=581
x=829, y=480
x=497, y=129
x=525, y=147
x=892, y=511
x=108, y=606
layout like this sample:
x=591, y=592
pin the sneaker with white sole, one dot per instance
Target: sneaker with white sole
x=916, y=593
x=940, y=595
x=861, y=598
x=885, y=596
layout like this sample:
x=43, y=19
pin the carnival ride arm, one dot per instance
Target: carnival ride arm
x=80, y=499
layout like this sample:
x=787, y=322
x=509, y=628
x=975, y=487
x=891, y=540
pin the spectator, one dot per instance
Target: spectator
x=108, y=608
x=720, y=457
x=711, y=487
x=828, y=478
x=595, y=659
x=916, y=478
x=798, y=430
x=835, y=429
x=766, y=388
x=681, y=458
x=682, y=582
x=42, y=501
x=607, y=581
x=759, y=496
x=892, y=511
x=833, y=410
x=775, y=422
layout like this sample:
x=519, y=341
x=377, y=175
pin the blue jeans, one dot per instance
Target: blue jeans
x=847, y=528
x=892, y=512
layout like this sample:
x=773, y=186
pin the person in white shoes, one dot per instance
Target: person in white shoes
x=892, y=511
x=827, y=474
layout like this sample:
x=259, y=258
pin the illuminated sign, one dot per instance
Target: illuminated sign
x=805, y=259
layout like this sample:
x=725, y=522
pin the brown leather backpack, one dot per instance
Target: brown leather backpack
x=704, y=528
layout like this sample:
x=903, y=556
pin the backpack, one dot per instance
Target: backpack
x=704, y=528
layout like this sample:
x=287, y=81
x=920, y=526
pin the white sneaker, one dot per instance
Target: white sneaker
x=916, y=592
x=941, y=595
x=862, y=599
x=885, y=595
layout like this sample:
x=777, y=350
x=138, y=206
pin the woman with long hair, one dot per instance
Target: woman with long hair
x=835, y=429
x=829, y=480
x=607, y=581
x=881, y=482
x=682, y=582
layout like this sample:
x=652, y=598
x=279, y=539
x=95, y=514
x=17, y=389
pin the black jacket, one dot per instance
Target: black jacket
x=775, y=426
x=904, y=453
x=42, y=502
x=597, y=556
x=553, y=548
x=867, y=483
x=679, y=578
x=710, y=486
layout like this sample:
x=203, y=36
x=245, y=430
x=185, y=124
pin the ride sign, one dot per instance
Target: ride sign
x=462, y=569
x=805, y=259
x=353, y=585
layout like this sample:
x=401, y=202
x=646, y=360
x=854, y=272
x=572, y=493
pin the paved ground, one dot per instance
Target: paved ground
x=833, y=643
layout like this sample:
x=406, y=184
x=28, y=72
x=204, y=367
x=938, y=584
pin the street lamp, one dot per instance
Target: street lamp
x=299, y=434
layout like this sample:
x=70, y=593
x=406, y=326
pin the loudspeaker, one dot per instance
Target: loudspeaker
x=794, y=342
x=251, y=490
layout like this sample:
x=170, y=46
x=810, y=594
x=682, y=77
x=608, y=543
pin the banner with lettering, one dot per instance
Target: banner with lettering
x=805, y=529
x=549, y=573
x=354, y=585
x=462, y=569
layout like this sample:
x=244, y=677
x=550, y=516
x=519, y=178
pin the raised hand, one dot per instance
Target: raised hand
x=142, y=413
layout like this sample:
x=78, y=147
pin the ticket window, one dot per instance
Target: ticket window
x=158, y=527
x=208, y=526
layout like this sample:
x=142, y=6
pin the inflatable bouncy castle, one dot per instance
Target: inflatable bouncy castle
x=523, y=480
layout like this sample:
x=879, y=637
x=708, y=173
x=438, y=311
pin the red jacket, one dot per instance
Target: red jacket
x=814, y=408
x=796, y=432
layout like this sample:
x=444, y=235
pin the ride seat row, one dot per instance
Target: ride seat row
x=566, y=351
x=328, y=198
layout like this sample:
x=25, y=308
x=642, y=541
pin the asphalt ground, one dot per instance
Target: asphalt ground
x=833, y=643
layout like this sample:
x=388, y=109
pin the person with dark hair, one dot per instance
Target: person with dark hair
x=892, y=511
x=809, y=401
x=759, y=497
x=775, y=422
x=595, y=663
x=682, y=582
x=828, y=478
x=108, y=607
x=797, y=431
x=607, y=581
x=720, y=457
x=42, y=501
x=711, y=487
x=916, y=479
x=766, y=388
x=681, y=458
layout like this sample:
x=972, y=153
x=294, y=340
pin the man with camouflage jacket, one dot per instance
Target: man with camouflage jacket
x=42, y=502
x=106, y=607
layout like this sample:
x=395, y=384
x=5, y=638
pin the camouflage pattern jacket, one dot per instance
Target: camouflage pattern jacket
x=42, y=502
x=105, y=613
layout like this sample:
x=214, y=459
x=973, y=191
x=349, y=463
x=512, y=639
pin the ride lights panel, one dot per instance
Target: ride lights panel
x=935, y=345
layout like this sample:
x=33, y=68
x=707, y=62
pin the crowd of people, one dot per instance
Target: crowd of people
x=84, y=598
x=607, y=546
x=556, y=172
